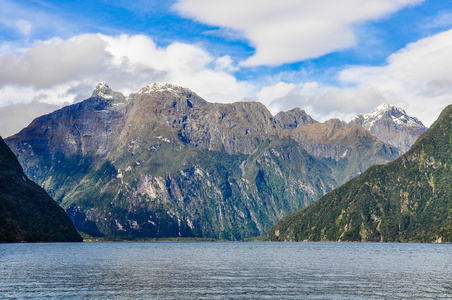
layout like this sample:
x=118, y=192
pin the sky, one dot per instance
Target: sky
x=334, y=59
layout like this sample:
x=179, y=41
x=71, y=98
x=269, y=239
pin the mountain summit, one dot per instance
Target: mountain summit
x=392, y=125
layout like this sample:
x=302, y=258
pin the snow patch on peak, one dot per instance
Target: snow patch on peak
x=102, y=84
x=386, y=107
x=387, y=111
x=103, y=90
x=390, y=108
x=158, y=87
x=382, y=109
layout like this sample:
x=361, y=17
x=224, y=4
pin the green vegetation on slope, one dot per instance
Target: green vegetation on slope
x=407, y=200
x=214, y=194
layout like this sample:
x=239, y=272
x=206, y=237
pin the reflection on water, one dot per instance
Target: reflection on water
x=225, y=271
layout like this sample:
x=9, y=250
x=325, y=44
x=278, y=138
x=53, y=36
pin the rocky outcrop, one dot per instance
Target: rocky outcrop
x=27, y=213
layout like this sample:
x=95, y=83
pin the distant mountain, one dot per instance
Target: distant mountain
x=392, y=125
x=27, y=213
x=407, y=200
x=164, y=162
x=348, y=149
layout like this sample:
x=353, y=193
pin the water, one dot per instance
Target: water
x=225, y=271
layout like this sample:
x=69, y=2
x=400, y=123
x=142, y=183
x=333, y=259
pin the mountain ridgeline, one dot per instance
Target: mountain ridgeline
x=407, y=200
x=27, y=213
x=164, y=162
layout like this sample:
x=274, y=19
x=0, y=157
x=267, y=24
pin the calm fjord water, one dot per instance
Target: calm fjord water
x=225, y=271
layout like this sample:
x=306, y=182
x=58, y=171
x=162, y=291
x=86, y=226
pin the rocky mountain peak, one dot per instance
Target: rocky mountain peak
x=104, y=91
x=392, y=125
x=390, y=112
x=294, y=118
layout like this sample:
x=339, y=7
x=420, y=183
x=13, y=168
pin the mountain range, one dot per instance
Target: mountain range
x=407, y=200
x=164, y=162
x=27, y=212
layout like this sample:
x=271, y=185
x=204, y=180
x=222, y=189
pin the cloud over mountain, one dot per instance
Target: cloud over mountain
x=61, y=71
x=416, y=75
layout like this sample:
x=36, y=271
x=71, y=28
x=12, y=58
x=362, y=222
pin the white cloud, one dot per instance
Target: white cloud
x=56, y=95
x=346, y=103
x=284, y=96
x=225, y=63
x=179, y=63
x=321, y=102
x=290, y=30
x=54, y=62
x=126, y=62
x=418, y=76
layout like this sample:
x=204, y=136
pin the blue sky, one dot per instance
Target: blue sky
x=331, y=58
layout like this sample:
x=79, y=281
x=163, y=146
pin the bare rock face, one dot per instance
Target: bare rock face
x=234, y=128
x=392, y=125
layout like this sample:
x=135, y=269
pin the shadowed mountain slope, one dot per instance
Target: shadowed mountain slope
x=27, y=213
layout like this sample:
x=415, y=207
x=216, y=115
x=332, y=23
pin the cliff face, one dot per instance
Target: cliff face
x=407, y=200
x=165, y=162
x=392, y=125
x=27, y=213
